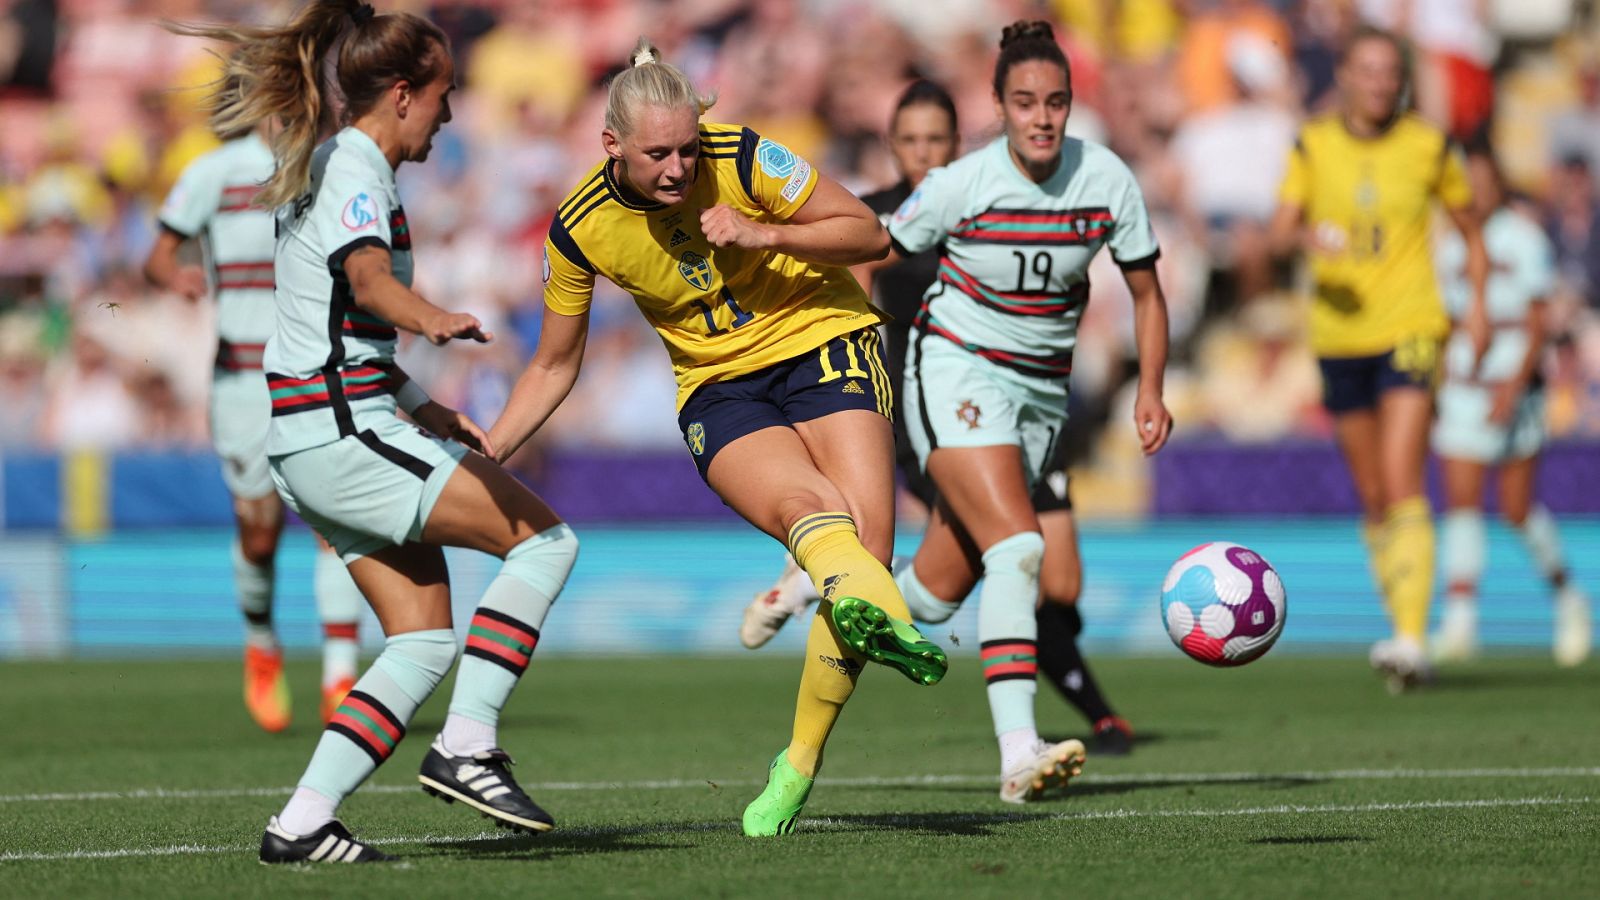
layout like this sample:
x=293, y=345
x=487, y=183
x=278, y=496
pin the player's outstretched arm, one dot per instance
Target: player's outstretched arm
x=545, y=383
x=1476, y=322
x=1510, y=392
x=376, y=290
x=1150, y=416
x=1284, y=236
x=162, y=269
x=833, y=228
x=435, y=416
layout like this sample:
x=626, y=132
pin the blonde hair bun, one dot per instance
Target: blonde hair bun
x=649, y=82
x=645, y=53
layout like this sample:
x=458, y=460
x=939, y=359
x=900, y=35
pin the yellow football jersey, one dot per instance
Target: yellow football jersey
x=1370, y=202
x=722, y=312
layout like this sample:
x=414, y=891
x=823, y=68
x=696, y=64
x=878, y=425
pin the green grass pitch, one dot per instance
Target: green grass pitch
x=1290, y=777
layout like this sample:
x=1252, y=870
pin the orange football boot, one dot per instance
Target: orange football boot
x=266, y=691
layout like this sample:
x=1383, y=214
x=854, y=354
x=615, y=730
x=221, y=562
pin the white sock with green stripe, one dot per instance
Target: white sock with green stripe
x=1007, y=637
x=369, y=724
x=254, y=584
x=502, y=636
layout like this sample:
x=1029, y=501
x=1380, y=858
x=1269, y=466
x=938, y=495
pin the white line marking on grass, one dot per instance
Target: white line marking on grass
x=200, y=849
x=1152, y=778
x=828, y=824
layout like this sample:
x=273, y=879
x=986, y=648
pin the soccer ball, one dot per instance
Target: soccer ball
x=1223, y=604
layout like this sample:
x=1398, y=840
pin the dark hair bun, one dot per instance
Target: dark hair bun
x=1025, y=30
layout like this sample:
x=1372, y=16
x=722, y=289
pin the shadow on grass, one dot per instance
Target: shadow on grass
x=970, y=824
x=1313, y=839
x=1449, y=679
x=606, y=839
x=573, y=842
x=1093, y=785
x=1143, y=738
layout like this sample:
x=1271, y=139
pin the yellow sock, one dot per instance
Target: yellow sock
x=826, y=682
x=827, y=547
x=1410, y=561
x=1376, y=536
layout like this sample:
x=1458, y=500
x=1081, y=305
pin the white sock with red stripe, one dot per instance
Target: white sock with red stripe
x=254, y=584
x=1464, y=540
x=502, y=636
x=339, y=604
x=1007, y=637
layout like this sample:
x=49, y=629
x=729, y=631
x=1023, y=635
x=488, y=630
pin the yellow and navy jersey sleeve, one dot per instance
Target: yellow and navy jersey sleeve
x=568, y=273
x=568, y=278
x=773, y=177
x=1452, y=189
x=720, y=311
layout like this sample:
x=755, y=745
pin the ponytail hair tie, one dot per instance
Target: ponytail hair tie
x=362, y=13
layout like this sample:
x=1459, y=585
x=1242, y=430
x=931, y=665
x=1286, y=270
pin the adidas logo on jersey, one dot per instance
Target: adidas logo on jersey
x=679, y=236
x=853, y=388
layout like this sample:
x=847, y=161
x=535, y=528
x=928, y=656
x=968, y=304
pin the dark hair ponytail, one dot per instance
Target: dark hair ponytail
x=923, y=92
x=1025, y=40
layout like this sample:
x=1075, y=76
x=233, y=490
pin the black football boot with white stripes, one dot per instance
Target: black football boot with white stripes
x=332, y=843
x=483, y=782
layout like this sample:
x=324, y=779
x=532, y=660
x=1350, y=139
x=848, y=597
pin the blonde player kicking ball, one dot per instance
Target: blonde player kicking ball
x=214, y=203
x=1359, y=198
x=1492, y=414
x=735, y=250
x=922, y=137
x=386, y=495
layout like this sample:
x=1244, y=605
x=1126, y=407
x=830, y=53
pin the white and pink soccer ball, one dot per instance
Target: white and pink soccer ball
x=1223, y=604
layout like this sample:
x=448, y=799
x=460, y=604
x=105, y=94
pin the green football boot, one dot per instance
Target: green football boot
x=882, y=638
x=773, y=813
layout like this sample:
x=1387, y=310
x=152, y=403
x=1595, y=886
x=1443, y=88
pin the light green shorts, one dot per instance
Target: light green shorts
x=241, y=409
x=370, y=490
x=953, y=398
x=1463, y=430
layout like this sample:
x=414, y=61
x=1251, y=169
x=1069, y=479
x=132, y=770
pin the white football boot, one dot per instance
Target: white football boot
x=788, y=597
x=1050, y=766
x=1402, y=663
x=1457, y=637
x=1574, y=627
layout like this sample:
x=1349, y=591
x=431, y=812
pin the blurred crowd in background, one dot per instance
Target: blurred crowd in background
x=99, y=113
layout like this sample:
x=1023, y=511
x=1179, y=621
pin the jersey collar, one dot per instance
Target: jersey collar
x=1383, y=132
x=1071, y=159
x=621, y=196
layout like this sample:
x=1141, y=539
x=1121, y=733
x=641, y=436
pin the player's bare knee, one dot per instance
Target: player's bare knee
x=879, y=542
x=258, y=545
x=808, y=502
x=1515, y=513
x=1060, y=588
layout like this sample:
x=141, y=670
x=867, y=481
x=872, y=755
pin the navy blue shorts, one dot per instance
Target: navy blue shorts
x=1352, y=383
x=845, y=373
